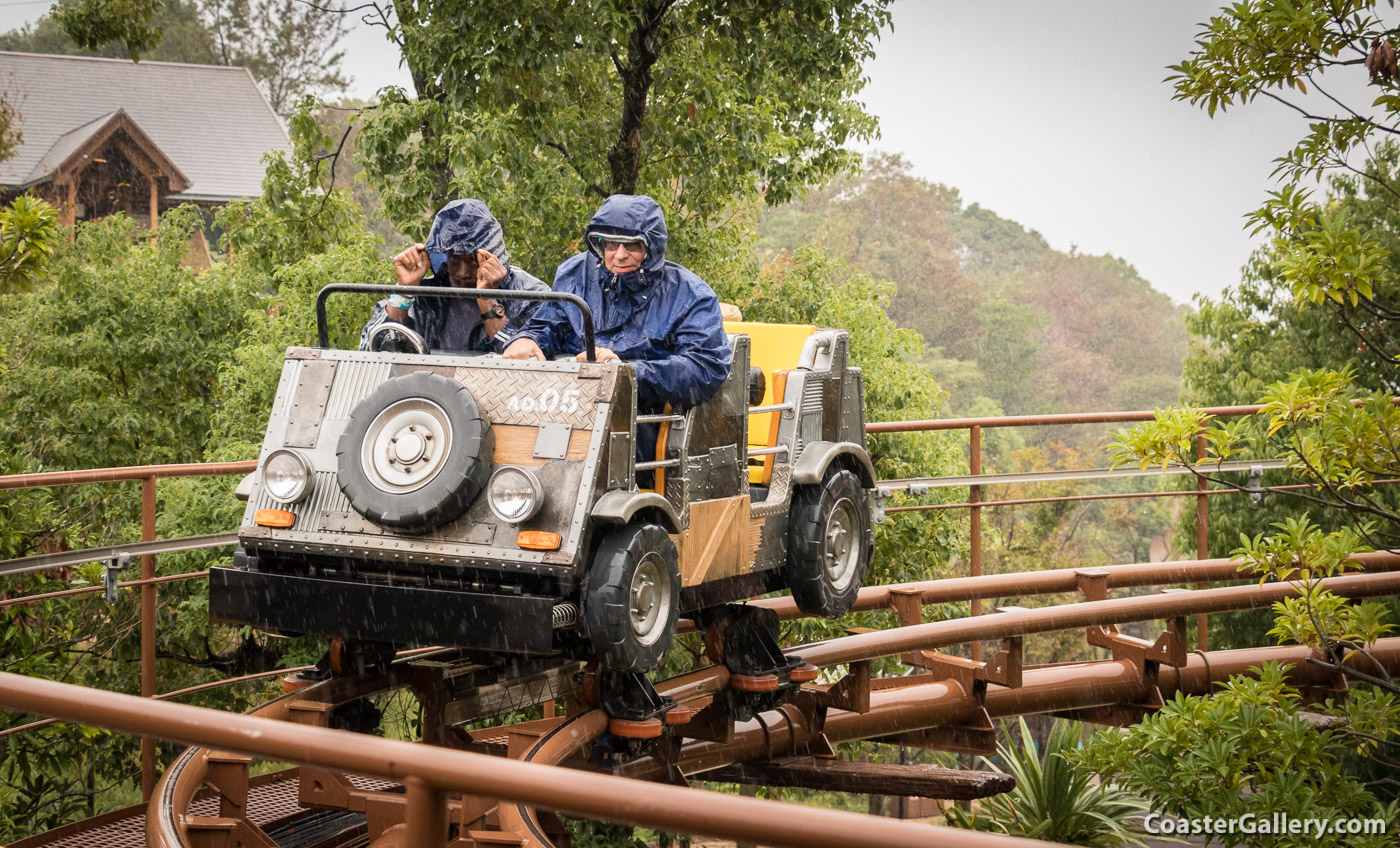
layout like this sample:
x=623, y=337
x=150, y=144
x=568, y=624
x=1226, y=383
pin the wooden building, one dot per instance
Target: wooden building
x=107, y=135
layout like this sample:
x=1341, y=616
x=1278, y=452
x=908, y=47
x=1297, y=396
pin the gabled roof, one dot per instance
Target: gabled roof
x=210, y=121
x=73, y=149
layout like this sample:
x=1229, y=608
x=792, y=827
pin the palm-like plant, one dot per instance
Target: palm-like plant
x=1053, y=800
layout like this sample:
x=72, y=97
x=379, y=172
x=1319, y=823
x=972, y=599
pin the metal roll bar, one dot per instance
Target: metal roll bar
x=323, y=332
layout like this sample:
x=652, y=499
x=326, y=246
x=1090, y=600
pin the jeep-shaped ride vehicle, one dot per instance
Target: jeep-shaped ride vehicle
x=489, y=504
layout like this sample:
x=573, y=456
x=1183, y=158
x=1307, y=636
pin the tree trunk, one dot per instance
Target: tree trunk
x=643, y=49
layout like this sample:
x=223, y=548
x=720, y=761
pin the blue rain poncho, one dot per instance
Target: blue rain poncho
x=661, y=319
x=454, y=324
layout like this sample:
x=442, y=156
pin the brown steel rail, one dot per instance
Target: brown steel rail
x=1057, y=580
x=945, y=702
x=88, y=590
x=428, y=772
x=926, y=703
x=147, y=474
x=129, y=473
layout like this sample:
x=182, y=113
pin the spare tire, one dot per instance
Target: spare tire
x=415, y=453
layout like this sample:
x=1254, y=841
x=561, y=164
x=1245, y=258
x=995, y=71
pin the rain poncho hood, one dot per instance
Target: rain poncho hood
x=454, y=324
x=629, y=216
x=465, y=226
x=661, y=319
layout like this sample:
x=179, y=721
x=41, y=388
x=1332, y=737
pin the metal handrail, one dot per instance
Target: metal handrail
x=768, y=451
x=913, y=484
x=39, y=562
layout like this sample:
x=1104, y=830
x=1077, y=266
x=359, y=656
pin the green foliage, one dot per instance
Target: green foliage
x=121, y=356
x=1247, y=750
x=542, y=110
x=295, y=217
x=93, y=23
x=29, y=234
x=90, y=379
x=184, y=37
x=1054, y=800
x=1015, y=326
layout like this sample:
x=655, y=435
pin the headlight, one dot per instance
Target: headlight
x=514, y=494
x=286, y=476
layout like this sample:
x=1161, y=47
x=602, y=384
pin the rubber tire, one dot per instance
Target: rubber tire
x=606, y=597
x=447, y=495
x=805, y=572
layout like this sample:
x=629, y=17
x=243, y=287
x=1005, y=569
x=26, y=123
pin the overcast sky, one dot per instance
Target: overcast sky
x=1052, y=114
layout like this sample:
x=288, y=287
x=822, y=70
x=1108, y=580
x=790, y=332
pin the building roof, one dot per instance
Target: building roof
x=210, y=120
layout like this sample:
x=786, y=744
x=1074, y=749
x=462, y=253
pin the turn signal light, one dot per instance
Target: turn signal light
x=537, y=540
x=273, y=518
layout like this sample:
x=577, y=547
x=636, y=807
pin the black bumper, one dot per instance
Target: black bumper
x=518, y=624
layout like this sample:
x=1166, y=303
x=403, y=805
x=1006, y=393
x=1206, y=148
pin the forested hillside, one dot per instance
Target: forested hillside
x=1011, y=324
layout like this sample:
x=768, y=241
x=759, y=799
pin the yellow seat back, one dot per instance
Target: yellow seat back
x=775, y=349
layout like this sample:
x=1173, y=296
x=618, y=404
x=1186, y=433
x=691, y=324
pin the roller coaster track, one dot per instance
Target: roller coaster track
x=507, y=785
x=409, y=794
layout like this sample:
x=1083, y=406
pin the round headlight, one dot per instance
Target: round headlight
x=514, y=494
x=286, y=476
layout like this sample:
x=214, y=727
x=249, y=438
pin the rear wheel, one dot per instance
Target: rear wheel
x=631, y=597
x=830, y=543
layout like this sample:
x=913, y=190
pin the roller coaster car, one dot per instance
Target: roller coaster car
x=468, y=500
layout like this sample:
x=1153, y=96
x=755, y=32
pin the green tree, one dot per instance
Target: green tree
x=1249, y=750
x=1325, y=275
x=29, y=233
x=290, y=47
x=184, y=37
x=1013, y=323
x=543, y=110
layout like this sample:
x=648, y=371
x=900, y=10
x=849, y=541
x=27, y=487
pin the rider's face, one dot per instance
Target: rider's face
x=622, y=257
x=461, y=269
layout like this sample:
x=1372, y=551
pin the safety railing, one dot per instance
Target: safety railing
x=976, y=480
x=147, y=475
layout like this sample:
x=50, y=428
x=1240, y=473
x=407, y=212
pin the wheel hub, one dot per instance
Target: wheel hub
x=406, y=445
x=840, y=547
x=649, y=601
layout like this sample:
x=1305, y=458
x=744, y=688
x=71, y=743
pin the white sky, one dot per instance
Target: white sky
x=1054, y=115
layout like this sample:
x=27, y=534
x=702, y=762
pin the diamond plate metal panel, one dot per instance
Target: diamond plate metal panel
x=532, y=398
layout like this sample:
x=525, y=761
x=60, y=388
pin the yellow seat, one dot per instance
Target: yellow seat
x=775, y=349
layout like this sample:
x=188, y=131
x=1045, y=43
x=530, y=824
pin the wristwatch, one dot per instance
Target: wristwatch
x=496, y=311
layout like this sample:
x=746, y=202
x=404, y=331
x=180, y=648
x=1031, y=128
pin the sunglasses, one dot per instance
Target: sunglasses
x=635, y=248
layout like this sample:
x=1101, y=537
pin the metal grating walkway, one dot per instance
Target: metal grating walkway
x=272, y=805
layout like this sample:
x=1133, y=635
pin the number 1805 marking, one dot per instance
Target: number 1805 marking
x=548, y=401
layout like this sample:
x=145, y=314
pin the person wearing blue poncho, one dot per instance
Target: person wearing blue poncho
x=656, y=315
x=464, y=248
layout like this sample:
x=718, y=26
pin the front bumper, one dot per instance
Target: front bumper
x=517, y=624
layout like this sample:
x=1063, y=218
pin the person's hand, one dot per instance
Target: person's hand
x=489, y=270
x=412, y=265
x=523, y=348
x=603, y=354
